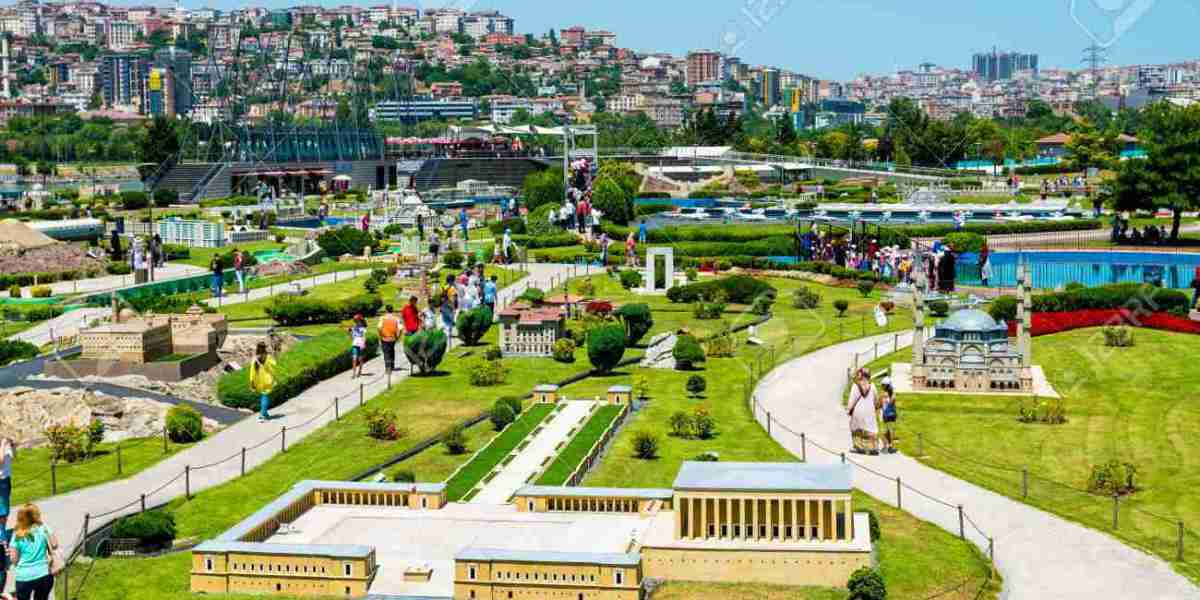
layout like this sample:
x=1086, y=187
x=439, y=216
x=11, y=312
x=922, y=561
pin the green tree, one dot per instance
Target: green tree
x=1088, y=148
x=1169, y=177
x=161, y=143
x=544, y=187
x=787, y=131
x=612, y=200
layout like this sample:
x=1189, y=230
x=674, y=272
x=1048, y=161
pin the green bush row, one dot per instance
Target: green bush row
x=305, y=365
x=27, y=279
x=1133, y=296
x=32, y=312
x=230, y=201
x=15, y=350
x=740, y=289
x=292, y=311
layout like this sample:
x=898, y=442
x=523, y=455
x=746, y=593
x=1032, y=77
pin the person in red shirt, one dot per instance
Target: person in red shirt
x=411, y=316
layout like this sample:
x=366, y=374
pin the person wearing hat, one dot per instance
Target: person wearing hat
x=888, y=402
x=358, y=343
x=864, y=427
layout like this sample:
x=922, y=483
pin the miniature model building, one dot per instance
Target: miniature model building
x=783, y=523
x=530, y=331
x=971, y=352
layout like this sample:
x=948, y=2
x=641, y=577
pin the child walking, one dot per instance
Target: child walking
x=358, y=343
x=262, y=379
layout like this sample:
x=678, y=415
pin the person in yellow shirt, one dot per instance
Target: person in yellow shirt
x=262, y=379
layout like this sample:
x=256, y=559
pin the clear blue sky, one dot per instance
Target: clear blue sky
x=841, y=39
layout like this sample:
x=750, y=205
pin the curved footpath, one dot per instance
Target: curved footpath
x=302, y=415
x=1040, y=555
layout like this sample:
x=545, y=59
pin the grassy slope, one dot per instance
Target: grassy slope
x=918, y=559
x=1133, y=404
x=31, y=469
x=499, y=448
x=576, y=450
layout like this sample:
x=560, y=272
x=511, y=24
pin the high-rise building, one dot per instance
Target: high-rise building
x=120, y=79
x=771, y=91
x=178, y=65
x=703, y=66
x=998, y=66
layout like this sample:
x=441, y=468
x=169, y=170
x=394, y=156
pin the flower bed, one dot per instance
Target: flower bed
x=1045, y=323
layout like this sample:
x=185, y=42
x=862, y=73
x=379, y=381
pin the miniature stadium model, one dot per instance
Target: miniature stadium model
x=782, y=523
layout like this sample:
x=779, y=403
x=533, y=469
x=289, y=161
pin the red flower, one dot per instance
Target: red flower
x=1056, y=322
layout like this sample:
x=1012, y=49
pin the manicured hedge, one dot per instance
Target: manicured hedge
x=16, y=350
x=1135, y=296
x=515, y=226
x=292, y=311
x=305, y=365
x=739, y=289
x=27, y=279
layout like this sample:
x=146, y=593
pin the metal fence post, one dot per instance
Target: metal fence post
x=118, y=458
x=843, y=458
x=1116, y=508
x=53, y=477
x=283, y=438
x=1024, y=483
x=768, y=422
x=920, y=444
x=243, y=460
x=165, y=440
x=187, y=482
x=1179, y=550
x=962, y=532
x=337, y=415
x=898, y=504
x=803, y=448
x=360, y=393
x=143, y=503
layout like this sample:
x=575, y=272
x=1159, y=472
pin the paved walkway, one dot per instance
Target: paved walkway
x=542, y=448
x=113, y=282
x=64, y=325
x=232, y=297
x=301, y=415
x=1039, y=555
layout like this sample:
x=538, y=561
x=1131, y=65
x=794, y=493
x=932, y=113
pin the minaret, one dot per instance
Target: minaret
x=4, y=89
x=1024, y=313
x=918, y=345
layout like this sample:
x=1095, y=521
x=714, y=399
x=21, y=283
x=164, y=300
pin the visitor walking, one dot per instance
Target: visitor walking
x=410, y=315
x=434, y=245
x=389, y=332
x=463, y=222
x=630, y=251
x=447, y=313
x=239, y=270
x=137, y=260
x=864, y=427
x=262, y=379
x=507, y=241
x=156, y=251
x=365, y=223
x=642, y=232
x=358, y=344
x=33, y=554
x=420, y=228
x=8, y=450
x=489, y=294
x=218, y=275
x=604, y=248
x=890, y=414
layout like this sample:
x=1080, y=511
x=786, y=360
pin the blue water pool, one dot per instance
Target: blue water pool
x=1091, y=268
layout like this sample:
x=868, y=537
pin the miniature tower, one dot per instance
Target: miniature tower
x=918, y=327
x=1024, y=314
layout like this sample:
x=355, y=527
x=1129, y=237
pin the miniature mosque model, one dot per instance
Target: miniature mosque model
x=970, y=351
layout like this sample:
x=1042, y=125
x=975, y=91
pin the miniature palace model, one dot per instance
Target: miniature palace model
x=970, y=351
x=781, y=523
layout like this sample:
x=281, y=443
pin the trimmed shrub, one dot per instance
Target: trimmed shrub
x=709, y=308
x=696, y=385
x=865, y=287
x=134, y=200
x=873, y=525
x=16, y=350
x=564, y=350
x=493, y=353
x=1133, y=296
x=841, y=305
x=291, y=311
x=165, y=197
x=455, y=441
x=404, y=476
x=533, y=296
x=184, y=424
x=1003, y=308
x=681, y=424
x=720, y=344
x=382, y=425
x=72, y=443
x=645, y=445
x=630, y=279
x=538, y=221
x=762, y=304
x=485, y=373
x=425, y=349
x=305, y=365
x=964, y=241
x=1112, y=477
x=606, y=346
x=805, y=298
x=345, y=240
x=687, y=352
x=939, y=308
x=501, y=415
x=1118, y=337
x=866, y=584
x=14, y=291
x=474, y=324
x=513, y=403
x=39, y=291
x=691, y=274
x=703, y=423
x=739, y=289
x=515, y=226
x=153, y=528
x=638, y=321
x=453, y=260
x=118, y=268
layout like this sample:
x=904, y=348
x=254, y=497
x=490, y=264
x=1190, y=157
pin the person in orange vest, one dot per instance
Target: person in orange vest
x=389, y=332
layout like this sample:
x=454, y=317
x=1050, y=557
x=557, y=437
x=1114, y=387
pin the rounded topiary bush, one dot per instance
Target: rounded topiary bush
x=606, y=346
x=155, y=528
x=696, y=385
x=474, y=324
x=841, y=306
x=1003, y=308
x=805, y=298
x=39, y=291
x=687, y=352
x=630, y=279
x=645, y=445
x=939, y=308
x=638, y=321
x=404, y=476
x=501, y=415
x=866, y=584
x=14, y=291
x=184, y=424
x=564, y=350
x=425, y=349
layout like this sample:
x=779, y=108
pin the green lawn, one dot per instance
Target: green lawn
x=1131, y=404
x=200, y=257
x=500, y=447
x=31, y=468
x=577, y=449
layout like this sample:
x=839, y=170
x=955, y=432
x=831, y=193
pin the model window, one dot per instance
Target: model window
x=208, y=566
x=618, y=577
x=471, y=572
x=346, y=569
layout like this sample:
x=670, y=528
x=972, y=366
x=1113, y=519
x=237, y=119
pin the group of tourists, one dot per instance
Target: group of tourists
x=216, y=267
x=866, y=408
x=29, y=549
x=144, y=256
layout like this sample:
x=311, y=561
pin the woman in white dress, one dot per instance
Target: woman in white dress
x=864, y=427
